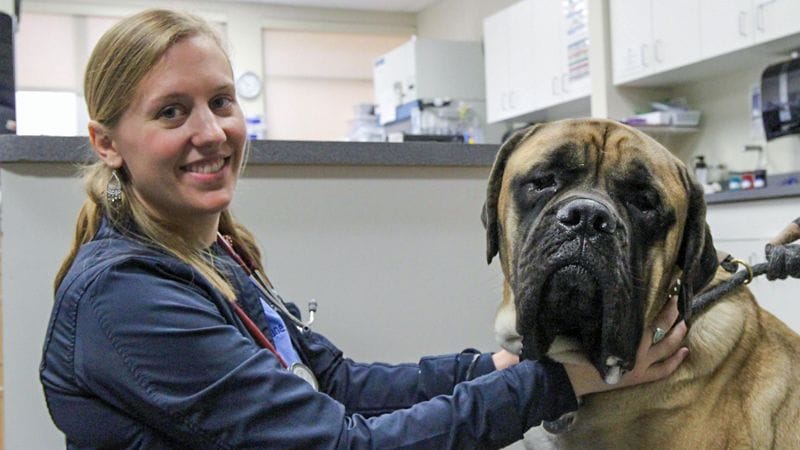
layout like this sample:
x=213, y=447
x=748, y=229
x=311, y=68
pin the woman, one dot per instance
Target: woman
x=163, y=337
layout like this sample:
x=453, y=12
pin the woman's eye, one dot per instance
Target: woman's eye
x=169, y=113
x=220, y=102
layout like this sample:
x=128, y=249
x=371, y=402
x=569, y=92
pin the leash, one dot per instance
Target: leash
x=783, y=261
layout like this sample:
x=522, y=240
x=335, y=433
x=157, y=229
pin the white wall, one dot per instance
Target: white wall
x=725, y=102
x=7, y=6
x=244, y=24
x=458, y=20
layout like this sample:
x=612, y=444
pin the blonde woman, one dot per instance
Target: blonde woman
x=165, y=332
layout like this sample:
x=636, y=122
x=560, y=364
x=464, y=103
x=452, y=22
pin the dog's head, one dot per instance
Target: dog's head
x=593, y=221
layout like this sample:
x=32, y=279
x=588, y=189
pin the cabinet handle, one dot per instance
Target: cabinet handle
x=760, y=18
x=658, y=51
x=643, y=55
x=554, y=85
x=743, y=23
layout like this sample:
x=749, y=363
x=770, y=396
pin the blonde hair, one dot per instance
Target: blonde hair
x=117, y=65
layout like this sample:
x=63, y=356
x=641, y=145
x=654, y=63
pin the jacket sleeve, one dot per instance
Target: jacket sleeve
x=156, y=347
x=362, y=388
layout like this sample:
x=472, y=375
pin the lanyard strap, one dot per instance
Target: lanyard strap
x=257, y=334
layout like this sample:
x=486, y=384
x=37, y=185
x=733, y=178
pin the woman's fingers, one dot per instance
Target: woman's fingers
x=665, y=319
x=664, y=368
x=670, y=344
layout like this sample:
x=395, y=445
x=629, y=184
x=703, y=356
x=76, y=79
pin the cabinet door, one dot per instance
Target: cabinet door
x=573, y=58
x=631, y=31
x=548, y=53
x=725, y=26
x=776, y=18
x=497, y=66
x=526, y=65
x=676, y=33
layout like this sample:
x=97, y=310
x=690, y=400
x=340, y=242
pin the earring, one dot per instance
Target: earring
x=114, y=190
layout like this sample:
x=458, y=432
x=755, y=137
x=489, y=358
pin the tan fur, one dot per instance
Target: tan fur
x=740, y=385
x=739, y=388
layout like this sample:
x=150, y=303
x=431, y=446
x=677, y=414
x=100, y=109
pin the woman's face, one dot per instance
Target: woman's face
x=182, y=138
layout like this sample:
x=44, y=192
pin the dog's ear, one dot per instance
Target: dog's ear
x=489, y=212
x=697, y=257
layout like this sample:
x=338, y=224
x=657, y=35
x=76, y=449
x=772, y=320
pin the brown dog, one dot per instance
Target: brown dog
x=595, y=223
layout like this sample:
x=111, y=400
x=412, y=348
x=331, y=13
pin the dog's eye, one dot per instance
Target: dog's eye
x=644, y=201
x=541, y=183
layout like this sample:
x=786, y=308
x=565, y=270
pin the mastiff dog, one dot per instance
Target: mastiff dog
x=596, y=224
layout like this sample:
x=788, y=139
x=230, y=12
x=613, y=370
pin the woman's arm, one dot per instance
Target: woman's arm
x=157, y=351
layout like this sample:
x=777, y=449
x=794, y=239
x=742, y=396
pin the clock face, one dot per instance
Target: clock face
x=248, y=85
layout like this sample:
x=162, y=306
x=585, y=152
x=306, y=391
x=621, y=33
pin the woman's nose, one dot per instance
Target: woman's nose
x=206, y=128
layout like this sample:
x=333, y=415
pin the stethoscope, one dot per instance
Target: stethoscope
x=265, y=287
x=261, y=282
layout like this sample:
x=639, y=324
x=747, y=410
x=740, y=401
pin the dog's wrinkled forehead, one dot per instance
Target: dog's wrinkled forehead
x=595, y=149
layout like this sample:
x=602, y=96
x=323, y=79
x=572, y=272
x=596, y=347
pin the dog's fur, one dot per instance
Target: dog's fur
x=594, y=222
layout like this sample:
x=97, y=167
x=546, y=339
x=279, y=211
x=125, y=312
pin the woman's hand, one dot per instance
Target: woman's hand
x=653, y=360
x=504, y=359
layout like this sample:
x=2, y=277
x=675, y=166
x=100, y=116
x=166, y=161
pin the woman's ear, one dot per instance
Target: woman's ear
x=103, y=145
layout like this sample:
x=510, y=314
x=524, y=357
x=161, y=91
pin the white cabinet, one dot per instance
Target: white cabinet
x=651, y=36
x=424, y=68
x=742, y=229
x=509, y=62
x=729, y=25
x=564, y=63
x=537, y=56
x=775, y=19
x=630, y=36
x=496, y=55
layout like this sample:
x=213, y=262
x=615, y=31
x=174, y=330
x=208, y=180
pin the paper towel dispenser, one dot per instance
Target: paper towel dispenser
x=780, y=99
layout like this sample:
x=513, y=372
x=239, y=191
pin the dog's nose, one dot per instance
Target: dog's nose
x=586, y=216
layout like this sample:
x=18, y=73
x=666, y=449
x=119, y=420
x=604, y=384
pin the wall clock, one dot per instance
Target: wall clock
x=248, y=85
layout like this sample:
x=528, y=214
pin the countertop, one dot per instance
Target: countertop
x=273, y=152
x=778, y=186
x=44, y=149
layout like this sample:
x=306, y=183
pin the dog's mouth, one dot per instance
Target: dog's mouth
x=576, y=314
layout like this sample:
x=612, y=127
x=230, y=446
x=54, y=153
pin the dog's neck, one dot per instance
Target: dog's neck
x=713, y=334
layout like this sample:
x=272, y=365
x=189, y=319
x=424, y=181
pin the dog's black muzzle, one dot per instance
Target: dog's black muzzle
x=573, y=280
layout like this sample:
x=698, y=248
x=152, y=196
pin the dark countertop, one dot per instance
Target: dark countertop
x=76, y=149
x=16, y=149
x=779, y=185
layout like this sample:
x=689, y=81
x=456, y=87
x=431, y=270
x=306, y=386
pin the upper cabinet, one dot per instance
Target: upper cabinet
x=775, y=19
x=537, y=56
x=651, y=36
x=729, y=25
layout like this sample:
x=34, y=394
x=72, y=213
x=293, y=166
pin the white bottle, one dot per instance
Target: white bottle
x=701, y=170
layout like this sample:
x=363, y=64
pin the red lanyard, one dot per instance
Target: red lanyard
x=248, y=323
x=257, y=334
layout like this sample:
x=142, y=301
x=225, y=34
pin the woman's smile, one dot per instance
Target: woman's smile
x=207, y=166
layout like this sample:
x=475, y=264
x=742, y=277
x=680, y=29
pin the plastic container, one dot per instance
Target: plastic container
x=735, y=181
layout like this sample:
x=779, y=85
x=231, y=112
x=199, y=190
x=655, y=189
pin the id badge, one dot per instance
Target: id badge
x=302, y=371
